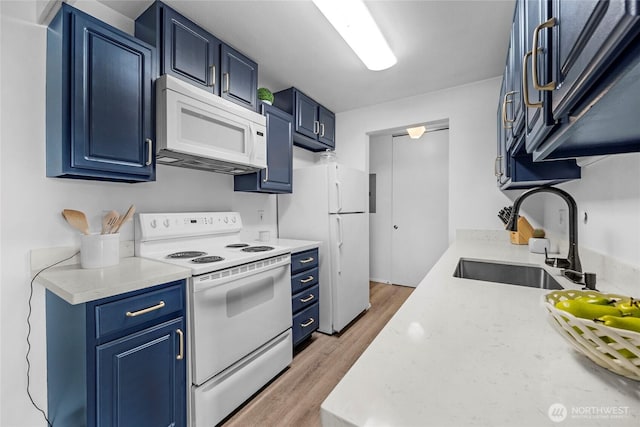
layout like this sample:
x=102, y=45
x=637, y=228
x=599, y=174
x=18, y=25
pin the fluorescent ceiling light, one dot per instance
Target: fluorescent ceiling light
x=415, y=133
x=354, y=23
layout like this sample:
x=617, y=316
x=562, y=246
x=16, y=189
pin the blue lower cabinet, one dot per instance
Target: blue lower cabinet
x=304, y=323
x=99, y=101
x=119, y=361
x=305, y=291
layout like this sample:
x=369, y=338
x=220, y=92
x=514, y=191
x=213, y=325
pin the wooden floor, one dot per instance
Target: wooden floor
x=294, y=397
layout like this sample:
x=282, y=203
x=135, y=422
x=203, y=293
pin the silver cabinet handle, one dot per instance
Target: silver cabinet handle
x=212, y=75
x=227, y=82
x=180, y=355
x=496, y=167
x=534, y=61
x=149, y=151
x=308, y=322
x=506, y=122
x=316, y=127
x=307, y=280
x=266, y=174
x=307, y=299
x=307, y=260
x=525, y=84
x=146, y=310
x=321, y=129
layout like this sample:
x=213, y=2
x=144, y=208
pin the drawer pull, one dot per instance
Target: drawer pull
x=146, y=310
x=308, y=322
x=307, y=280
x=307, y=260
x=307, y=299
x=180, y=355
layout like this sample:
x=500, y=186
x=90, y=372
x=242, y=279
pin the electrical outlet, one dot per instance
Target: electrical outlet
x=261, y=215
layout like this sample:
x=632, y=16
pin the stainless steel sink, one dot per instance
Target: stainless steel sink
x=507, y=273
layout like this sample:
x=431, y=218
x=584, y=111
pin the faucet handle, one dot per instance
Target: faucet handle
x=556, y=262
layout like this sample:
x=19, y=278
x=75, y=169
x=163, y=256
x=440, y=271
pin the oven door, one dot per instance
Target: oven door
x=235, y=311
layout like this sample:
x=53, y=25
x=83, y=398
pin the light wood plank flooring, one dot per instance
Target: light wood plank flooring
x=294, y=397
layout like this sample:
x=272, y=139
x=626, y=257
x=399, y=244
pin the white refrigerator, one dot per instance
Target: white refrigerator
x=329, y=204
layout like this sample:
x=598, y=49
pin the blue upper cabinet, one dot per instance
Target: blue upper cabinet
x=239, y=77
x=314, y=124
x=190, y=53
x=99, y=101
x=277, y=177
x=582, y=67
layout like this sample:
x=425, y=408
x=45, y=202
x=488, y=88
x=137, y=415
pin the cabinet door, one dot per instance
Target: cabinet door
x=327, y=129
x=239, y=78
x=111, y=99
x=278, y=174
x=587, y=37
x=141, y=378
x=538, y=119
x=515, y=111
x=306, y=115
x=189, y=52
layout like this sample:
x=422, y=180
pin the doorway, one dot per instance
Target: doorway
x=409, y=215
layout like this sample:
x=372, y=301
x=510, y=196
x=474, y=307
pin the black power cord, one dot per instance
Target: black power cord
x=44, y=415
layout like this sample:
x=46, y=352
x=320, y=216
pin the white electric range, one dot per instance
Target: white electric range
x=239, y=305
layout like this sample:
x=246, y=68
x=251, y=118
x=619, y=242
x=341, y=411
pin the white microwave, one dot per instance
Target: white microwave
x=199, y=130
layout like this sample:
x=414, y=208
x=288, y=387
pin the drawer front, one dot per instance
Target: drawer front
x=304, y=260
x=136, y=310
x=305, y=322
x=305, y=298
x=304, y=280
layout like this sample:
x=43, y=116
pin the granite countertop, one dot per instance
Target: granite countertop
x=463, y=352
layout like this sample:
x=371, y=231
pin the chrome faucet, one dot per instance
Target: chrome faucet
x=571, y=264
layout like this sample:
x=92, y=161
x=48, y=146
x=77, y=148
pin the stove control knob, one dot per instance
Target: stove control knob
x=153, y=223
x=226, y=220
x=166, y=223
x=233, y=219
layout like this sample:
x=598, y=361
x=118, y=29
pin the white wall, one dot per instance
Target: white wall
x=609, y=192
x=379, y=230
x=34, y=219
x=471, y=109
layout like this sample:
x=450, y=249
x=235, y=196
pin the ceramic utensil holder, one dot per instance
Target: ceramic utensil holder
x=524, y=233
x=99, y=250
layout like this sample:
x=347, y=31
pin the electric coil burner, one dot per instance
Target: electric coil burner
x=186, y=254
x=206, y=259
x=237, y=245
x=257, y=249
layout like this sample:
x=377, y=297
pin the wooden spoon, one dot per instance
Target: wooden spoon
x=77, y=220
x=123, y=219
x=110, y=219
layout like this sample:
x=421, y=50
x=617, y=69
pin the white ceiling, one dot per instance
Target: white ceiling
x=439, y=44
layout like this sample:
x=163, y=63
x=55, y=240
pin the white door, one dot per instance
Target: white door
x=350, y=272
x=420, y=205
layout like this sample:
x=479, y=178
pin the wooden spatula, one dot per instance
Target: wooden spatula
x=77, y=220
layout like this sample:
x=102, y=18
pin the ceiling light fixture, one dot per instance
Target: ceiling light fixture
x=354, y=23
x=417, y=132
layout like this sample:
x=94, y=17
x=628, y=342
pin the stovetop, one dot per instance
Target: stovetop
x=204, y=242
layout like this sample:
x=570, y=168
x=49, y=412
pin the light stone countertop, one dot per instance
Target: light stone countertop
x=77, y=285
x=463, y=352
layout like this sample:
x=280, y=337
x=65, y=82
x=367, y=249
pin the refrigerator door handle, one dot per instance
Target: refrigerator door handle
x=339, y=195
x=340, y=242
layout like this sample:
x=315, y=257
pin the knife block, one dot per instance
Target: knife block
x=524, y=233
